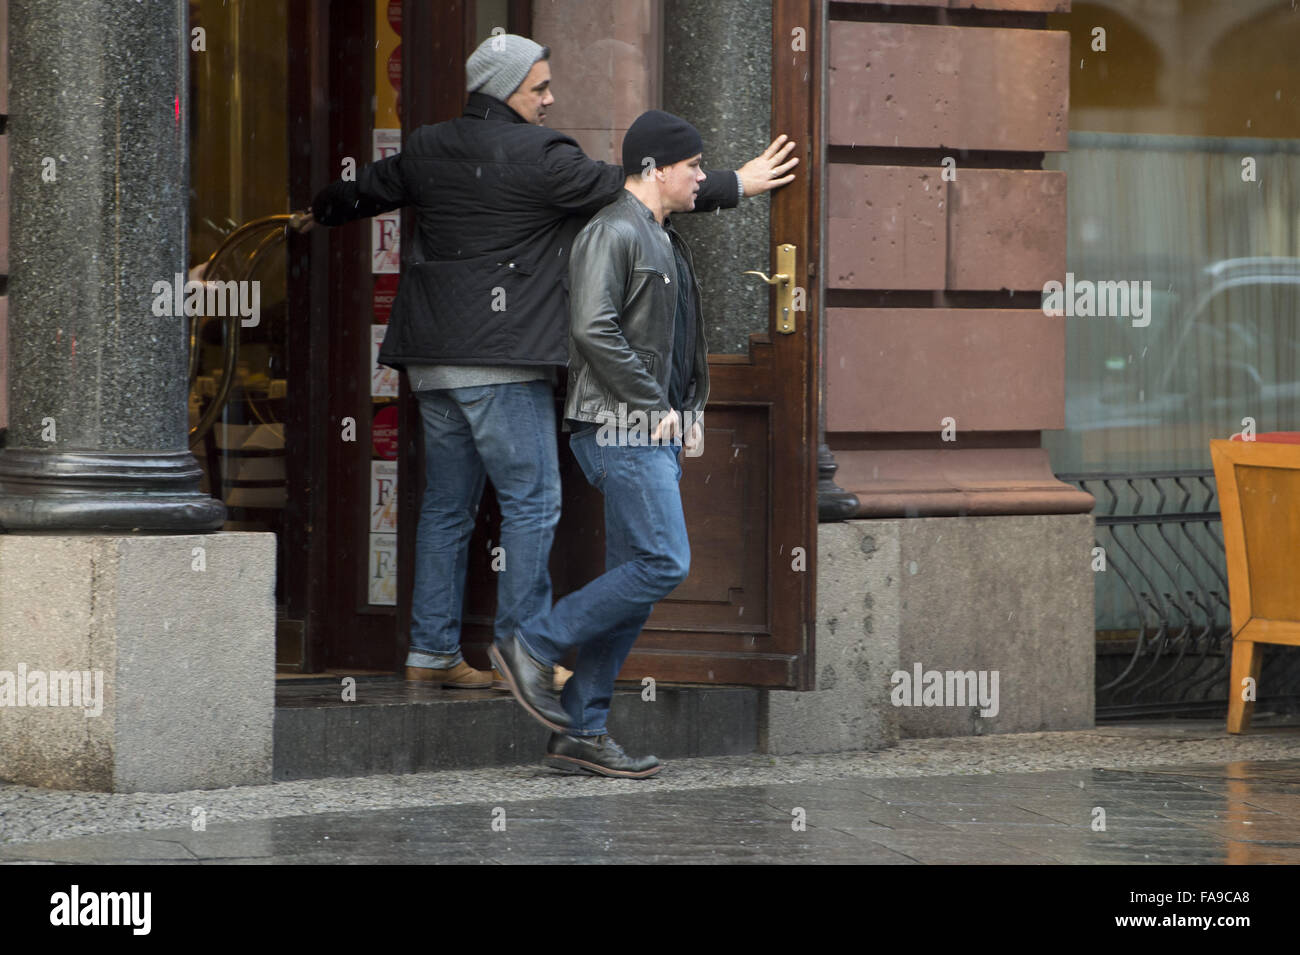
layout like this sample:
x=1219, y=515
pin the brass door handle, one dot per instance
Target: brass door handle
x=777, y=279
x=783, y=279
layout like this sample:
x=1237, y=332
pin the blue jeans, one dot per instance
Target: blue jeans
x=507, y=433
x=647, y=554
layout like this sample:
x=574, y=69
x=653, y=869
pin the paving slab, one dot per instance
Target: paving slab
x=926, y=801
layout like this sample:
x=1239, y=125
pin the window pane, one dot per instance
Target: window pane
x=1184, y=172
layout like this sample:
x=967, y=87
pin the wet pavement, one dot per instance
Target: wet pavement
x=893, y=807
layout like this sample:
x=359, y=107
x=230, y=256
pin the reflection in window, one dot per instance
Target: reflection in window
x=239, y=158
x=1184, y=170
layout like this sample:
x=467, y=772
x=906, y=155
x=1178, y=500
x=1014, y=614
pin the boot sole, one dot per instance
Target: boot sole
x=570, y=762
x=451, y=686
x=504, y=670
x=504, y=687
x=448, y=685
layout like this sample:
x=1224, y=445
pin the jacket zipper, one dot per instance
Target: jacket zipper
x=662, y=275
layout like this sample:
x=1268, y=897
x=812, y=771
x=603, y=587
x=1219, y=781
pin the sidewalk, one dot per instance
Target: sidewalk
x=1175, y=792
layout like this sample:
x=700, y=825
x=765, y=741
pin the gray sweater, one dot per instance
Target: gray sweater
x=427, y=377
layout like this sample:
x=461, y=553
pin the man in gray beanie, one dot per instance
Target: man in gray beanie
x=500, y=65
x=480, y=324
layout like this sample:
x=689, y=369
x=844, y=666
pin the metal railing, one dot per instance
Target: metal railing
x=1163, y=623
x=237, y=257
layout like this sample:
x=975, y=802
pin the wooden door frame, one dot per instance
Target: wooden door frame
x=798, y=93
x=331, y=79
x=312, y=30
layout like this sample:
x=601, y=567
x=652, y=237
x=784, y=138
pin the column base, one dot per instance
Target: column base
x=833, y=502
x=104, y=491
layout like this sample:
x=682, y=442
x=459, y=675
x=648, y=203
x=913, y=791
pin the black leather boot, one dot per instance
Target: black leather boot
x=597, y=754
x=531, y=682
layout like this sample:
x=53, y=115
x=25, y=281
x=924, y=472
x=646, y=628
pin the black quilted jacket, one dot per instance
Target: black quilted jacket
x=498, y=204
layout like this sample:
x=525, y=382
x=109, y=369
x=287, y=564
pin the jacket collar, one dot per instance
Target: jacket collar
x=639, y=208
x=636, y=206
x=482, y=106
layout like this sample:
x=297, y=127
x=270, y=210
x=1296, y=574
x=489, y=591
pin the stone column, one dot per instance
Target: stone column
x=98, y=434
x=127, y=661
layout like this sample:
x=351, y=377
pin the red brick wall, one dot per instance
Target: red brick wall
x=605, y=67
x=933, y=281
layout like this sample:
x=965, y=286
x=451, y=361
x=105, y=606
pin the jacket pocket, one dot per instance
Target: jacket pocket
x=663, y=276
x=647, y=359
x=590, y=399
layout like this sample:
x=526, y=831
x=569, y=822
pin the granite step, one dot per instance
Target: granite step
x=397, y=727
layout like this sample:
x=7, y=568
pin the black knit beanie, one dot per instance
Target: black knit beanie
x=660, y=136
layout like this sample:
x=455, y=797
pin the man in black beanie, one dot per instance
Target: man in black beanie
x=481, y=322
x=638, y=382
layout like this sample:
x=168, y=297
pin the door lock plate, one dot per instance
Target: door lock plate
x=784, y=282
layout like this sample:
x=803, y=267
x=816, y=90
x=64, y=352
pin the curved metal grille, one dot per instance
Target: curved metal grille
x=1163, y=622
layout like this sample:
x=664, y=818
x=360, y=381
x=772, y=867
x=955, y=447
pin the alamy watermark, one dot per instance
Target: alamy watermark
x=130, y=909
x=1084, y=298
x=924, y=687
x=636, y=429
x=83, y=689
x=221, y=299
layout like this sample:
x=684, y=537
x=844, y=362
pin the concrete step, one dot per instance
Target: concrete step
x=399, y=727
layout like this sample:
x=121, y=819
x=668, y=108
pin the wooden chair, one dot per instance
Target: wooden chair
x=1259, y=499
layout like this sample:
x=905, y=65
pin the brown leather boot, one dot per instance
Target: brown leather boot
x=561, y=677
x=460, y=677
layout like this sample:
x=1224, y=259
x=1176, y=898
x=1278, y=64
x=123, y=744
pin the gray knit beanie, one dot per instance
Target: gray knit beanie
x=500, y=64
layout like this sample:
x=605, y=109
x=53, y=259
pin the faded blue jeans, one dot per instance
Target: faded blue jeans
x=505, y=432
x=647, y=554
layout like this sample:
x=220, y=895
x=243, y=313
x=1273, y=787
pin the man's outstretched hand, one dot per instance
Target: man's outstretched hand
x=302, y=221
x=770, y=169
